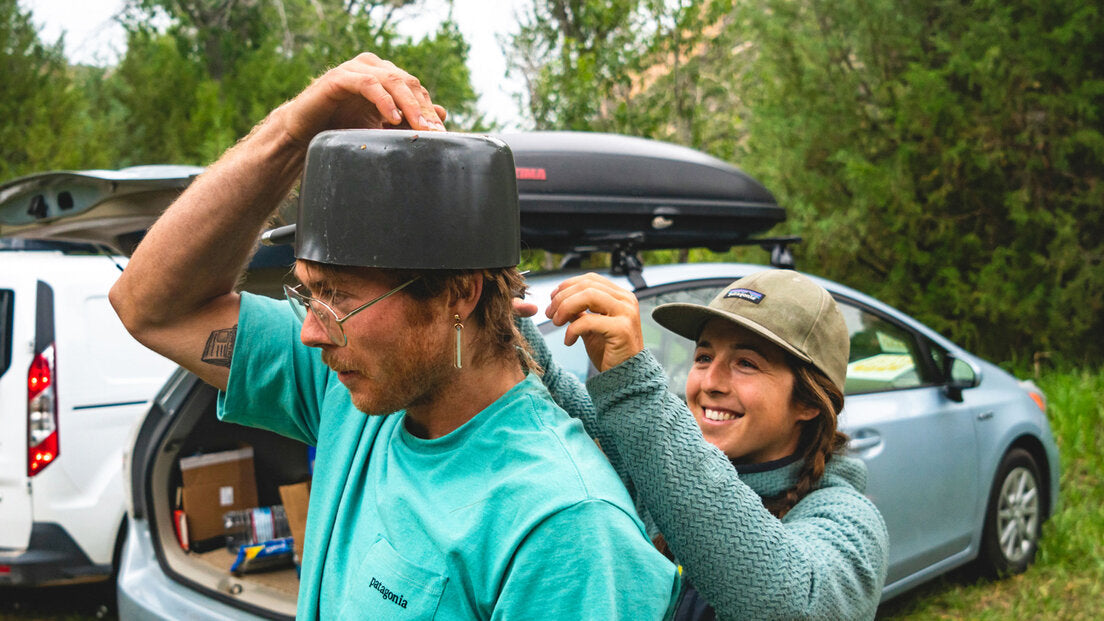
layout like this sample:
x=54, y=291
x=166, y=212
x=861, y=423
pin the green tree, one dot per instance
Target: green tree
x=944, y=157
x=655, y=68
x=191, y=88
x=652, y=68
x=577, y=58
x=46, y=122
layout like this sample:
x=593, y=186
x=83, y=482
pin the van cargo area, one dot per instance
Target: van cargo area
x=182, y=424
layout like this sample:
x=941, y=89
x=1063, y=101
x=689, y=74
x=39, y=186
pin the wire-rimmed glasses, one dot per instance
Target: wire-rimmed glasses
x=326, y=315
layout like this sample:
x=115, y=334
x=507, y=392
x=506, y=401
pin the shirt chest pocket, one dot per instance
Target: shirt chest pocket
x=387, y=586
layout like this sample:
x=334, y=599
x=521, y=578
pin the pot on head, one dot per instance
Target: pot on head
x=406, y=199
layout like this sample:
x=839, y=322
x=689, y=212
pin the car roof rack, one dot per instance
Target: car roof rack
x=625, y=256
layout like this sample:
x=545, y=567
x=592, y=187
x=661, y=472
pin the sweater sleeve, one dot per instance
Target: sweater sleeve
x=826, y=560
x=570, y=394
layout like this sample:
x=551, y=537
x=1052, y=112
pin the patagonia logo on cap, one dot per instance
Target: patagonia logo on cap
x=745, y=294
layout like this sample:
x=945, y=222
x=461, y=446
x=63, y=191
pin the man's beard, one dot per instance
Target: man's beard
x=413, y=377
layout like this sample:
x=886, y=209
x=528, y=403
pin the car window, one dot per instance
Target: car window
x=7, y=297
x=938, y=356
x=884, y=355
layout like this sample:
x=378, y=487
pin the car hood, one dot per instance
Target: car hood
x=111, y=208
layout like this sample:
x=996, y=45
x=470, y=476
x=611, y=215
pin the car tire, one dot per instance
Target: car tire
x=1010, y=536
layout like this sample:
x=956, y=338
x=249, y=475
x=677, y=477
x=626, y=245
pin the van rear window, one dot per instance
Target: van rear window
x=7, y=301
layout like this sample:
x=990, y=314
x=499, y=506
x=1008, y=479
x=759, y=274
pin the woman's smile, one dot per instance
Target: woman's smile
x=720, y=414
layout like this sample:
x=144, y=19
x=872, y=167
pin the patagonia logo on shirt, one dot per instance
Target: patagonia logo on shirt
x=387, y=593
x=745, y=294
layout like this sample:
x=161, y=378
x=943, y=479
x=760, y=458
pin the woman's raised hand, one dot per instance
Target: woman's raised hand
x=606, y=316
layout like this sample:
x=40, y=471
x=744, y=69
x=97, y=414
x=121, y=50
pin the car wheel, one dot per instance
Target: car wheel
x=1010, y=537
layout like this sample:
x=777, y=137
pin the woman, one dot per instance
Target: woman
x=744, y=483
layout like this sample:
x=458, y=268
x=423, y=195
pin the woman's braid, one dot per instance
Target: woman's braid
x=820, y=438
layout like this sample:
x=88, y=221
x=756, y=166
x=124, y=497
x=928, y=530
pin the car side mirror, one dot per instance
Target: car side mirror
x=958, y=375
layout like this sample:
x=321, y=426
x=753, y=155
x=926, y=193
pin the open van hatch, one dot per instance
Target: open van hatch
x=109, y=208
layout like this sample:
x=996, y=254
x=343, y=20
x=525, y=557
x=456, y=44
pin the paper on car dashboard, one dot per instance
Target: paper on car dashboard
x=879, y=372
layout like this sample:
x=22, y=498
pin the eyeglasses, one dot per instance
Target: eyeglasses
x=326, y=315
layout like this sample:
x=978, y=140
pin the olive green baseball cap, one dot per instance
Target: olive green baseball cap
x=784, y=307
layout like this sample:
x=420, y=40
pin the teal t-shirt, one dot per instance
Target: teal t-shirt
x=514, y=515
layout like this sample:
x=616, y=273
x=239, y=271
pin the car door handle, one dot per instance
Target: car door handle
x=864, y=440
x=985, y=415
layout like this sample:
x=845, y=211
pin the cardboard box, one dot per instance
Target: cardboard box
x=214, y=484
x=296, y=498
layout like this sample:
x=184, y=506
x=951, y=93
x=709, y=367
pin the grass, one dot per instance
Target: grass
x=1067, y=580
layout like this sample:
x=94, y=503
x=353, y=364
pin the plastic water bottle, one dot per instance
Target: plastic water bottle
x=252, y=526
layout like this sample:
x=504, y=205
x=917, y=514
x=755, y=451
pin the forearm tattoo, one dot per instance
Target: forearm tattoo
x=220, y=347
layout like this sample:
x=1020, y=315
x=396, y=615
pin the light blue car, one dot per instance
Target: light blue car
x=961, y=460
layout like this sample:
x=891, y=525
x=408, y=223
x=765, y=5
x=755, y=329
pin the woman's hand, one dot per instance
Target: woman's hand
x=366, y=92
x=606, y=316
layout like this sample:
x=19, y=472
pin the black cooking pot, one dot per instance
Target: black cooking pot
x=406, y=199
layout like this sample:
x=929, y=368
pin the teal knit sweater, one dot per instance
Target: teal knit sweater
x=826, y=559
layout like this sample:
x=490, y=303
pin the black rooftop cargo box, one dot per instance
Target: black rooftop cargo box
x=591, y=191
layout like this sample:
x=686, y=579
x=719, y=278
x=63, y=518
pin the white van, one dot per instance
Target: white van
x=72, y=384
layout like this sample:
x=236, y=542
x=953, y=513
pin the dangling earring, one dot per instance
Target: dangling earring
x=459, y=328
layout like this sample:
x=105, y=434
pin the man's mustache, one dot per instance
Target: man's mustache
x=339, y=366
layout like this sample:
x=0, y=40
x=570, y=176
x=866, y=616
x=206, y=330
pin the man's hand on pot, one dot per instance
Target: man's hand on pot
x=366, y=92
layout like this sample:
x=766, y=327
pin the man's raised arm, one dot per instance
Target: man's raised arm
x=176, y=295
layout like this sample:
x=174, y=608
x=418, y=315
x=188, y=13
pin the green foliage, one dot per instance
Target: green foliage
x=46, y=120
x=198, y=75
x=576, y=58
x=944, y=157
x=189, y=90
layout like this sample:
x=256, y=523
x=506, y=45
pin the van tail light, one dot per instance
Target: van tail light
x=42, y=416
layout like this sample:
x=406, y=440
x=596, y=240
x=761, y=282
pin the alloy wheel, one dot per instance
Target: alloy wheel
x=1018, y=514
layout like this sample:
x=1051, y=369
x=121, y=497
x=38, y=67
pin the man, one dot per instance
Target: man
x=476, y=497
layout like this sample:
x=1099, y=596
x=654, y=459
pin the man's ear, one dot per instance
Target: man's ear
x=464, y=299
